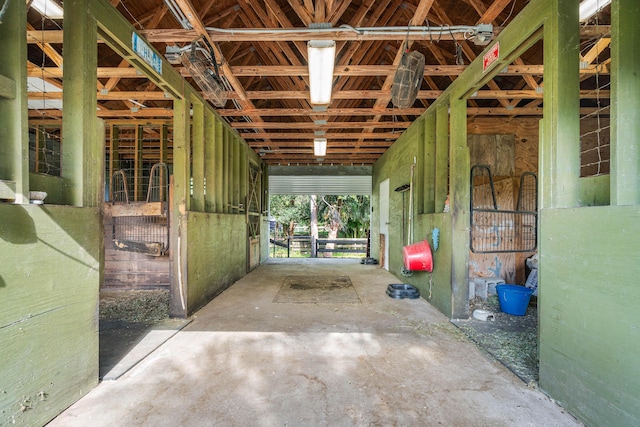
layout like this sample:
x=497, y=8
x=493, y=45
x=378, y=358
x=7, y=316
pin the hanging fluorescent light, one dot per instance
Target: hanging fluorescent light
x=321, y=55
x=588, y=8
x=320, y=147
x=48, y=9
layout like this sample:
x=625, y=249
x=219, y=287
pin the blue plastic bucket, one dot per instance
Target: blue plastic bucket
x=513, y=299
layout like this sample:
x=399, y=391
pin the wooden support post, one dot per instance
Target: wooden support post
x=244, y=176
x=419, y=172
x=459, y=200
x=429, y=164
x=182, y=155
x=226, y=180
x=79, y=122
x=197, y=129
x=442, y=156
x=14, y=125
x=97, y=165
x=235, y=140
x=138, y=171
x=164, y=158
x=219, y=167
x=210, y=160
x=40, y=141
x=625, y=103
x=164, y=137
x=560, y=153
x=180, y=204
x=114, y=156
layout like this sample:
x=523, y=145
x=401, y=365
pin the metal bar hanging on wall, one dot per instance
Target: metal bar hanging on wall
x=497, y=231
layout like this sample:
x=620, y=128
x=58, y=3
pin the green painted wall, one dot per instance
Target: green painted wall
x=395, y=164
x=589, y=322
x=595, y=190
x=52, y=185
x=216, y=255
x=49, y=284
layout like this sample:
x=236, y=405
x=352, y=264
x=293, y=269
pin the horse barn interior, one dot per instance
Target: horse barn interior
x=177, y=117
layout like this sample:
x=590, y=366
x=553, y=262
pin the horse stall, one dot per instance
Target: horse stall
x=137, y=234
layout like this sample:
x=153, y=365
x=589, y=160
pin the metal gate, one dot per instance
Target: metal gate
x=253, y=213
x=494, y=230
x=142, y=227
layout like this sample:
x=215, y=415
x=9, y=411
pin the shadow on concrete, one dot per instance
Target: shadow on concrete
x=123, y=344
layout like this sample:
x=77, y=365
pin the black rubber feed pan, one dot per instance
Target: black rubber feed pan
x=368, y=261
x=402, y=290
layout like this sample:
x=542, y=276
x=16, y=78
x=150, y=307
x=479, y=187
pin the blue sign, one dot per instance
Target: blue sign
x=145, y=52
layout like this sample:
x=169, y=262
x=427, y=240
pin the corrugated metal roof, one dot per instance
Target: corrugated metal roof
x=314, y=184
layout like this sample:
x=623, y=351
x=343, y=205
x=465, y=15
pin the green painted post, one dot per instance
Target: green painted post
x=163, y=155
x=236, y=171
x=560, y=180
x=244, y=174
x=114, y=155
x=181, y=155
x=210, y=159
x=179, y=206
x=429, y=164
x=164, y=137
x=226, y=182
x=219, y=166
x=138, y=170
x=95, y=165
x=625, y=103
x=79, y=129
x=442, y=156
x=197, y=200
x=459, y=199
x=14, y=120
x=419, y=170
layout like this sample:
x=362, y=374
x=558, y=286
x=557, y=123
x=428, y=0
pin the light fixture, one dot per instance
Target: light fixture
x=588, y=8
x=320, y=147
x=48, y=9
x=321, y=55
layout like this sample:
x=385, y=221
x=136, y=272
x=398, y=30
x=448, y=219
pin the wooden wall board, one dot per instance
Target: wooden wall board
x=495, y=151
x=48, y=311
x=526, y=134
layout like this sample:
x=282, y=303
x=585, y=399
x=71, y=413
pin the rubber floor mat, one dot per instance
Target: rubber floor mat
x=314, y=289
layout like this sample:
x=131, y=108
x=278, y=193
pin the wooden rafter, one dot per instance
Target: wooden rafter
x=267, y=70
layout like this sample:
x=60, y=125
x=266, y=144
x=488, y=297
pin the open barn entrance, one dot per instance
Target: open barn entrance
x=320, y=216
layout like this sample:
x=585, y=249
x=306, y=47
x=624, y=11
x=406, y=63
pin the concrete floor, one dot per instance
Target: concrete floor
x=245, y=360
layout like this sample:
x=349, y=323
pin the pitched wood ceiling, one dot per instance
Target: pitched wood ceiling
x=268, y=100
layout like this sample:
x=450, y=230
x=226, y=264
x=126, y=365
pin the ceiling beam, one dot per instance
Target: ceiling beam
x=330, y=125
x=345, y=70
x=47, y=49
x=329, y=112
x=172, y=36
x=493, y=11
x=166, y=112
x=311, y=135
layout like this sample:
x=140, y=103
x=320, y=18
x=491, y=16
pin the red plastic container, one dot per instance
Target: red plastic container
x=417, y=257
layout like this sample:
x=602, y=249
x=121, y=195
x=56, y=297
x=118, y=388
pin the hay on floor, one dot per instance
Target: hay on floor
x=148, y=306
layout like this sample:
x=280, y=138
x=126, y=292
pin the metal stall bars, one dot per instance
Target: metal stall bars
x=142, y=227
x=494, y=230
